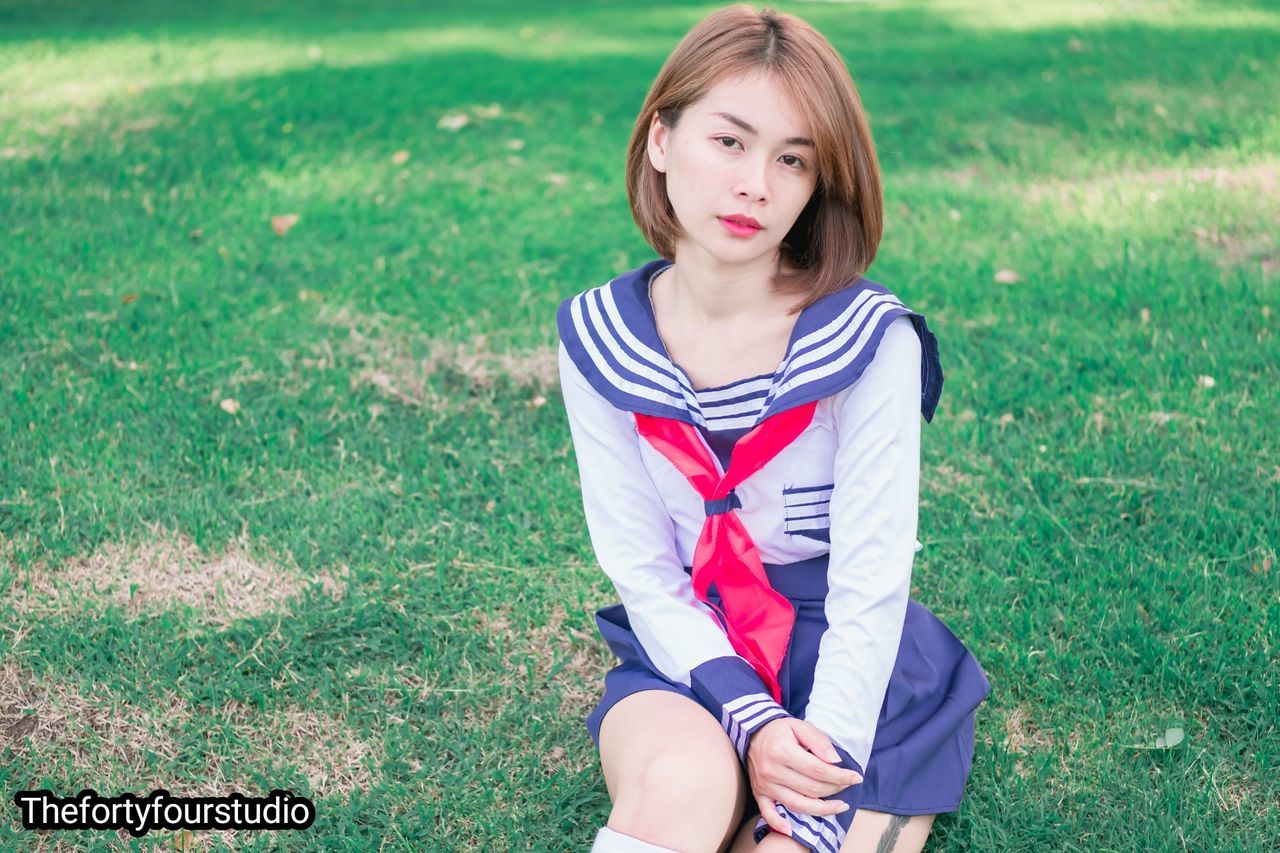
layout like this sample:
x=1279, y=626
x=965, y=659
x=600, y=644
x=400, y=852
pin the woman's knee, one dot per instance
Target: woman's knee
x=674, y=777
x=690, y=774
x=687, y=781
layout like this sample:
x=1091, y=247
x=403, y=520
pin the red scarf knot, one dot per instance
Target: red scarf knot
x=722, y=505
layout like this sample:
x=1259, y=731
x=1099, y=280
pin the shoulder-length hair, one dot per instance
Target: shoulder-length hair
x=834, y=240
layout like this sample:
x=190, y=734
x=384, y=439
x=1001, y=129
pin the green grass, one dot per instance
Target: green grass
x=1100, y=523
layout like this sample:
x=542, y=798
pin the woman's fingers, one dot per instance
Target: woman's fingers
x=812, y=738
x=814, y=768
x=798, y=802
x=806, y=785
x=795, y=761
x=776, y=821
x=820, y=760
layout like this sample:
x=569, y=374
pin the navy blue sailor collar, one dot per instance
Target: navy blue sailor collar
x=611, y=335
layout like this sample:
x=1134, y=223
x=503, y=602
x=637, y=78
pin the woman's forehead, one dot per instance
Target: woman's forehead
x=757, y=102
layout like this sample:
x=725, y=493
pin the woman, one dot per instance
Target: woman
x=745, y=411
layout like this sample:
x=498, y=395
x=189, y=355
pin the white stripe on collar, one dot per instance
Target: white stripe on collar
x=611, y=335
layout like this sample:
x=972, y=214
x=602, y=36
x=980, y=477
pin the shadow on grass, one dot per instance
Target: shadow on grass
x=222, y=156
x=939, y=95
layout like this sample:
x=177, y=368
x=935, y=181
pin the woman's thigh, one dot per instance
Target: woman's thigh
x=870, y=832
x=877, y=832
x=671, y=772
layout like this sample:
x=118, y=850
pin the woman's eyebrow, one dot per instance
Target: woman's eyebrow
x=795, y=140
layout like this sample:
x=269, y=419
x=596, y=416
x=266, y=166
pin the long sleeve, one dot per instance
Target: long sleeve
x=634, y=540
x=874, y=516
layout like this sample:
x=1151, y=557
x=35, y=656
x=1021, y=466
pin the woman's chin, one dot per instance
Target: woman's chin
x=732, y=253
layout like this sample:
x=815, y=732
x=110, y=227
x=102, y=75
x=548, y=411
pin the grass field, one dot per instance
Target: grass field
x=291, y=502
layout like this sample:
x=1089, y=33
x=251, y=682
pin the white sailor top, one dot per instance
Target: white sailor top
x=846, y=487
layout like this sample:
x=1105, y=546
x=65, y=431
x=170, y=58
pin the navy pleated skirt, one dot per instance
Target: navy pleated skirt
x=923, y=746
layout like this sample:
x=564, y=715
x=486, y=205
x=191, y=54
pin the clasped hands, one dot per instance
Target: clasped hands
x=790, y=761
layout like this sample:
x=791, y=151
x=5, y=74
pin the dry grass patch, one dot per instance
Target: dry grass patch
x=109, y=742
x=1240, y=249
x=397, y=361
x=1233, y=793
x=167, y=572
x=1257, y=180
x=1254, y=177
x=116, y=746
x=962, y=177
x=584, y=658
x=969, y=488
x=579, y=661
x=1253, y=187
x=1021, y=735
x=333, y=757
x=21, y=152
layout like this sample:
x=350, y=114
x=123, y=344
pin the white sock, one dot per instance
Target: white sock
x=611, y=841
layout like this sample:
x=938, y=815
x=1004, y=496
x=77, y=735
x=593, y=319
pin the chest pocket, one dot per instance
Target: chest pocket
x=808, y=511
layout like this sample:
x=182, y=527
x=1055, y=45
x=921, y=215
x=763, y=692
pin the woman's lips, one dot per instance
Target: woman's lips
x=737, y=229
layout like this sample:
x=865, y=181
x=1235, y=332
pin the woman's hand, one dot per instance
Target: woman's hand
x=790, y=761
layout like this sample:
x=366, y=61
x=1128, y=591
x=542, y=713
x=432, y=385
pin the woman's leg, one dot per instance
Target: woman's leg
x=870, y=832
x=877, y=832
x=672, y=774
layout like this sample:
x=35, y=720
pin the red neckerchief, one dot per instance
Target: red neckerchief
x=757, y=619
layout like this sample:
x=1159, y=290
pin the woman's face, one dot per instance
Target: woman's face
x=741, y=151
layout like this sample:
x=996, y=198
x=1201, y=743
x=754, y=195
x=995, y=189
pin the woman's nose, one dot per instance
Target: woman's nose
x=752, y=179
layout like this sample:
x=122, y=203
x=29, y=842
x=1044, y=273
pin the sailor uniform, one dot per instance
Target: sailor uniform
x=760, y=536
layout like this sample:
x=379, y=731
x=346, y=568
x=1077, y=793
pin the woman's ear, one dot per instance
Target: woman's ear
x=658, y=137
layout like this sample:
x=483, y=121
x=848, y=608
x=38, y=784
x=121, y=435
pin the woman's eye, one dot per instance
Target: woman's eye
x=789, y=159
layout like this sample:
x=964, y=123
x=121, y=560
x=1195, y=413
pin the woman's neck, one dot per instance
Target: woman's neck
x=713, y=296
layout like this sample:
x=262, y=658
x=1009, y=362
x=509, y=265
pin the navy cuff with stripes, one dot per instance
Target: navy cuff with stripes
x=732, y=690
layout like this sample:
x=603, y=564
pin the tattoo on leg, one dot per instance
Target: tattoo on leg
x=890, y=837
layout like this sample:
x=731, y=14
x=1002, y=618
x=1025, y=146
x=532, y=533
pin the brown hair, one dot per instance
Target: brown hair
x=835, y=237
